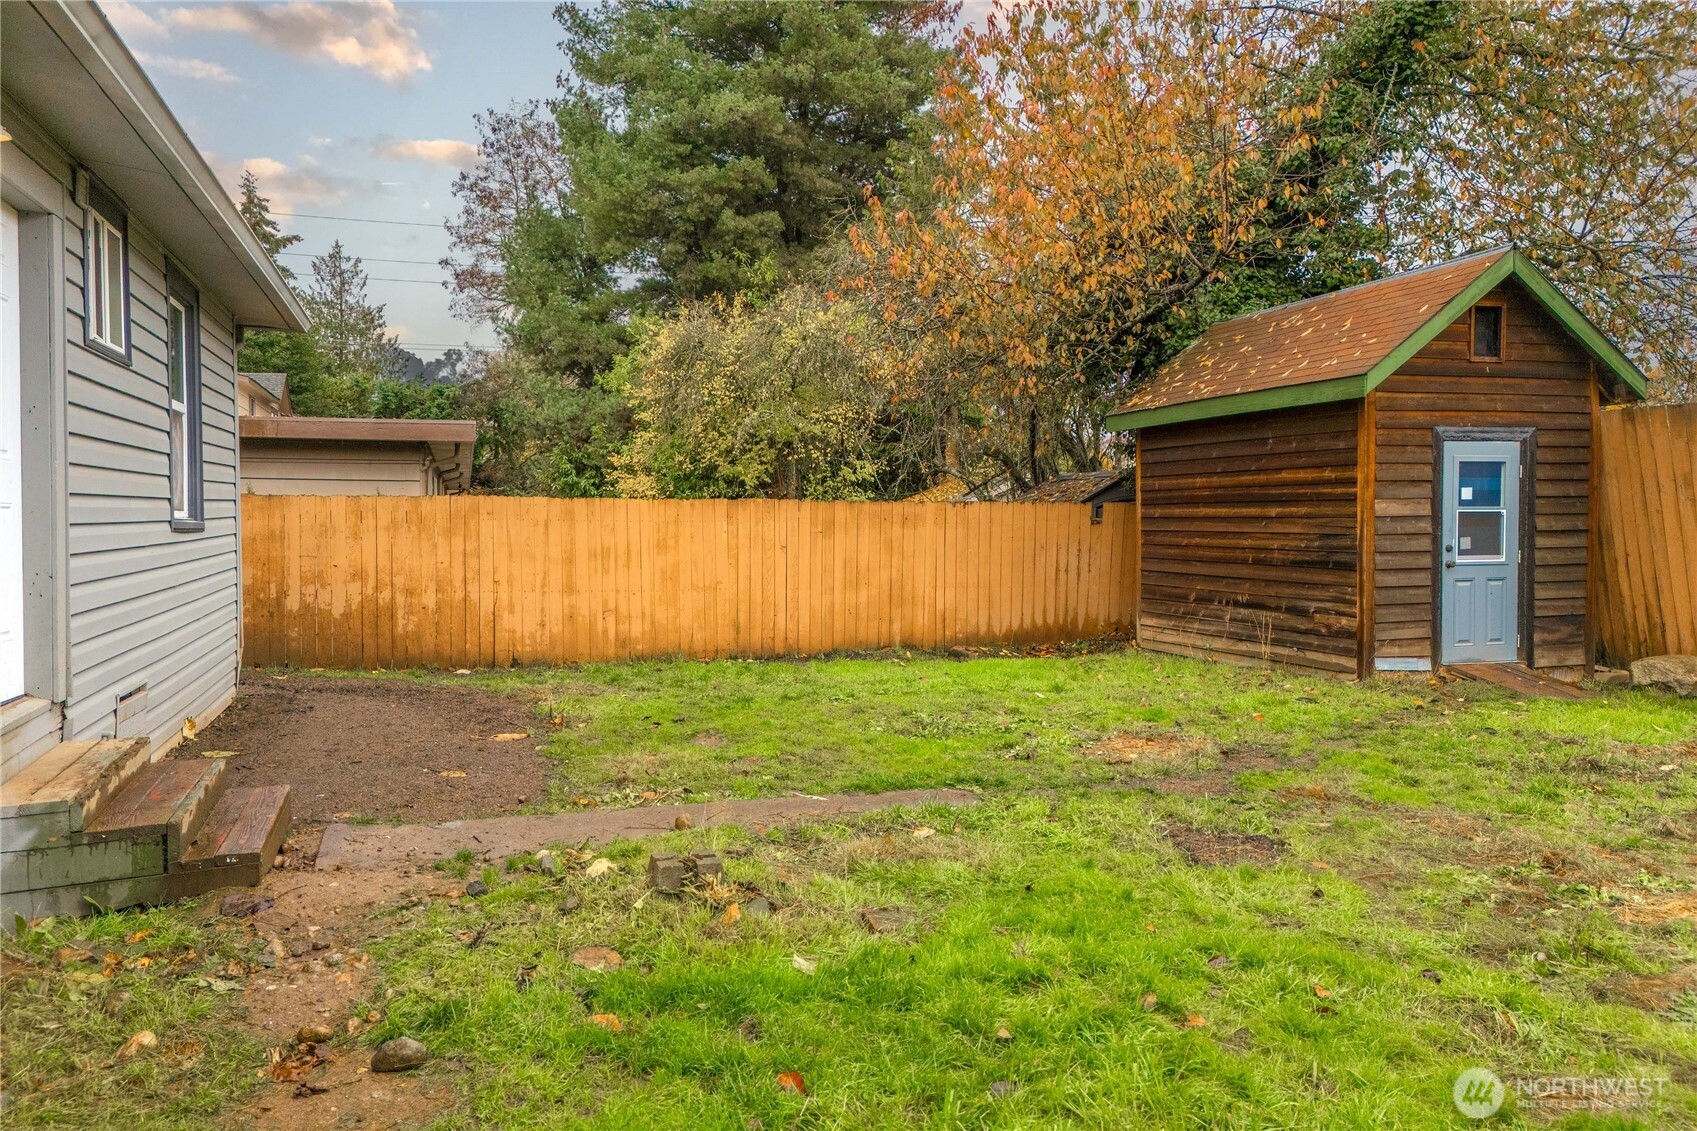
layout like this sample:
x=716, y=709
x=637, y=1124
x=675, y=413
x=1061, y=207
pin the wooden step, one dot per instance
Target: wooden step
x=71, y=783
x=237, y=843
x=172, y=798
x=1521, y=680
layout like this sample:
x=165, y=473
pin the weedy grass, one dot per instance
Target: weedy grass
x=1468, y=879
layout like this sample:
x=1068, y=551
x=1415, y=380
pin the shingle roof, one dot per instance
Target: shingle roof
x=1342, y=334
x=273, y=383
x=1076, y=487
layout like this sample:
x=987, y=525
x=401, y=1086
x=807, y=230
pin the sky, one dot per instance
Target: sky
x=359, y=111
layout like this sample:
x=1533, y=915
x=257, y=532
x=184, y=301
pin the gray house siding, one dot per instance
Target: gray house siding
x=147, y=606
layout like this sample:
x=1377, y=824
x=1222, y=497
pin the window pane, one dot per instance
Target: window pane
x=1479, y=535
x=94, y=277
x=179, y=463
x=114, y=273
x=1487, y=331
x=1480, y=483
x=175, y=358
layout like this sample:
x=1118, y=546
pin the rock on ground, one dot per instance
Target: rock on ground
x=398, y=1055
x=1677, y=674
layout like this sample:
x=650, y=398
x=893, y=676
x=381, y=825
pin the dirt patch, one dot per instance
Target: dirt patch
x=1657, y=909
x=1652, y=992
x=381, y=748
x=1202, y=847
x=1151, y=750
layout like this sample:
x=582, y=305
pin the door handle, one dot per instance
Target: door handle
x=1449, y=565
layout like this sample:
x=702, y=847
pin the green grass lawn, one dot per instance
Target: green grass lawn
x=1399, y=880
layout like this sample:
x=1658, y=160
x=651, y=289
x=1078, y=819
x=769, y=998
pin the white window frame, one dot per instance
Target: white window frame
x=106, y=275
x=177, y=376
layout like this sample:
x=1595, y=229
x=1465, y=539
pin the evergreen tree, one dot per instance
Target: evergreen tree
x=256, y=210
x=347, y=327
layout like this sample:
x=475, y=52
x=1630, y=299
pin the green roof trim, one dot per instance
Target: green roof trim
x=1263, y=400
x=1512, y=264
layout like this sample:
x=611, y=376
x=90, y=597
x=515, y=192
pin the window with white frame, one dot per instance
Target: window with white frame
x=106, y=292
x=182, y=372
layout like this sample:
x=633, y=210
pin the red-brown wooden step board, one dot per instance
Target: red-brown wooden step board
x=172, y=797
x=238, y=841
x=1522, y=680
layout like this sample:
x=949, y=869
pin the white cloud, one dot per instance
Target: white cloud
x=290, y=188
x=131, y=20
x=186, y=68
x=371, y=37
x=432, y=151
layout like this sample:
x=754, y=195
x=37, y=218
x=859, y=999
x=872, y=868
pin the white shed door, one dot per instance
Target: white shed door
x=11, y=466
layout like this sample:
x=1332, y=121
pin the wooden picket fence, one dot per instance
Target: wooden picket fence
x=1646, y=595
x=465, y=581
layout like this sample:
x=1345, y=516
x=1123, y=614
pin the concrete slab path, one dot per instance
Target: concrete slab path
x=377, y=847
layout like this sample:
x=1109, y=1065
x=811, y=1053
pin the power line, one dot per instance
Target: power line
x=359, y=219
x=368, y=258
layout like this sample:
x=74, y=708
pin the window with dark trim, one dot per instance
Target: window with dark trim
x=1487, y=333
x=106, y=274
x=183, y=402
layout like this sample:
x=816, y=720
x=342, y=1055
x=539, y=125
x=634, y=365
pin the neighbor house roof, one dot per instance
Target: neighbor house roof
x=450, y=441
x=81, y=88
x=273, y=383
x=1341, y=345
x=1075, y=487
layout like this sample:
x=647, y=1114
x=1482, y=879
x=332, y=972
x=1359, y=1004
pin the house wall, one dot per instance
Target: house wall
x=336, y=467
x=117, y=600
x=1545, y=381
x=1249, y=537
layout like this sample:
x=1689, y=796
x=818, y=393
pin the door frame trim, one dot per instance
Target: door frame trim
x=1527, y=438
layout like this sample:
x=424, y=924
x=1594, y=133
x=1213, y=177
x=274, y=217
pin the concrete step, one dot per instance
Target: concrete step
x=238, y=842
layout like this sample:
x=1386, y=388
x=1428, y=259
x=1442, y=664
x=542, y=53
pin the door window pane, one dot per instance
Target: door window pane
x=1479, y=535
x=1480, y=483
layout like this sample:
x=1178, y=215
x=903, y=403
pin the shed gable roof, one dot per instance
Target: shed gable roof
x=1341, y=345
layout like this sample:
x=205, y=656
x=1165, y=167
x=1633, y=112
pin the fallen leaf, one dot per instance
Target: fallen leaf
x=922, y=832
x=607, y=1021
x=599, y=867
x=450, y=773
x=142, y=1040
x=805, y=965
x=1219, y=960
x=1148, y=1001
x=1002, y=1034
x=792, y=1082
x=1194, y=1021
x=1321, y=865
x=137, y=936
x=732, y=913
x=186, y=1050
x=1259, y=716
x=1432, y=976
x=597, y=958
x=1322, y=991
x=507, y=737
x=67, y=954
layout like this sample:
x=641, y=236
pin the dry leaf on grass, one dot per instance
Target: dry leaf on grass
x=732, y=913
x=1148, y=1001
x=922, y=832
x=607, y=1021
x=1194, y=1021
x=138, y=1043
x=792, y=1082
x=1322, y=992
x=598, y=958
x=804, y=964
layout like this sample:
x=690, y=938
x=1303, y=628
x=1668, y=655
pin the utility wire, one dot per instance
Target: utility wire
x=359, y=219
x=368, y=258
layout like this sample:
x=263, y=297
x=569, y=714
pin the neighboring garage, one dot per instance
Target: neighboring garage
x=322, y=455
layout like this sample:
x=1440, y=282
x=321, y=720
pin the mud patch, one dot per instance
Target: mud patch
x=381, y=748
x=1202, y=847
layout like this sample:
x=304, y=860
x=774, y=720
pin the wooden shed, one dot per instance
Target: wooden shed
x=1395, y=476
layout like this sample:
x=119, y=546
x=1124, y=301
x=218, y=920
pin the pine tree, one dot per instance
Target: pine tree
x=256, y=210
x=348, y=328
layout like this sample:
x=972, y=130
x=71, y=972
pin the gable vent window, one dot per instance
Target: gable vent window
x=106, y=295
x=1487, y=333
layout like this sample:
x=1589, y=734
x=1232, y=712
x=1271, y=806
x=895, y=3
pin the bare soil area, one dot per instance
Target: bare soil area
x=387, y=749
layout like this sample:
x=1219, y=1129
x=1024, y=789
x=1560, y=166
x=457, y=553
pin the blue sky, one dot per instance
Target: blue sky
x=360, y=110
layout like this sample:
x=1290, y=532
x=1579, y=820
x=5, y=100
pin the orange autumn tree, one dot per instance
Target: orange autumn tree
x=1100, y=168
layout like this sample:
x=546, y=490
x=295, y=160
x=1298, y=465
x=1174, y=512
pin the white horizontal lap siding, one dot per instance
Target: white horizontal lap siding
x=148, y=605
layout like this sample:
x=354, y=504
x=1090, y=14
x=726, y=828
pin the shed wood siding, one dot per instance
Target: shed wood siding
x=1543, y=382
x=1249, y=530
x=304, y=467
x=148, y=605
